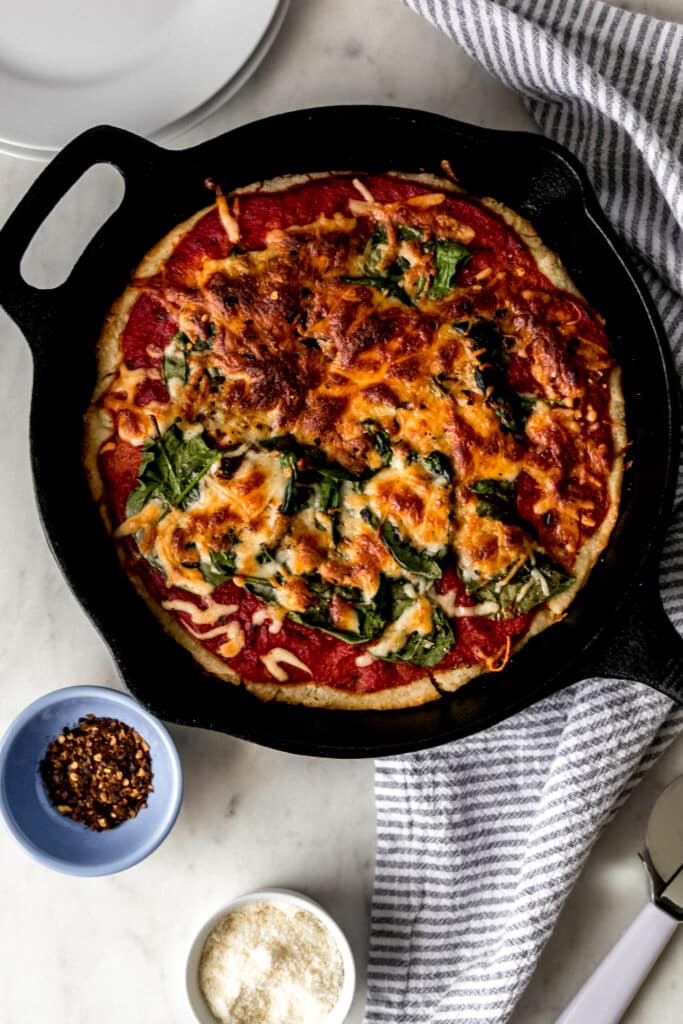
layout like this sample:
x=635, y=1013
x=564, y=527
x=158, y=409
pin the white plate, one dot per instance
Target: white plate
x=155, y=67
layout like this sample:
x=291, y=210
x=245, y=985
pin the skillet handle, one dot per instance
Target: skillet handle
x=124, y=150
x=645, y=647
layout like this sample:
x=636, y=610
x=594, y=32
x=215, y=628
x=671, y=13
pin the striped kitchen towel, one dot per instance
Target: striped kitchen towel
x=479, y=842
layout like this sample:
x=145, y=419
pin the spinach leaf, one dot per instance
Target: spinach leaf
x=229, y=462
x=427, y=649
x=369, y=516
x=527, y=403
x=174, y=362
x=438, y=464
x=383, y=284
x=497, y=500
x=371, y=619
x=490, y=376
x=215, y=376
x=388, y=280
x=330, y=494
x=380, y=439
x=437, y=384
x=407, y=233
x=224, y=561
x=260, y=587
x=484, y=334
x=392, y=598
x=331, y=478
x=202, y=344
x=374, y=249
x=288, y=446
x=296, y=494
x=307, y=467
x=534, y=582
x=283, y=442
x=222, y=567
x=407, y=556
x=265, y=555
x=510, y=410
x=150, y=557
x=170, y=469
x=449, y=257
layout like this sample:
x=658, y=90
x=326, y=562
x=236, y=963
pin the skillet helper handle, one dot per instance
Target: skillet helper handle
x=97, y=145
x=612, y=987
x=645, y=647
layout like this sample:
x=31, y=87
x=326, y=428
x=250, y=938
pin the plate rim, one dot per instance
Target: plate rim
x=171, y=130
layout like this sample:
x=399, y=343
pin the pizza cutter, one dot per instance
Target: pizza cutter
x=608, y=992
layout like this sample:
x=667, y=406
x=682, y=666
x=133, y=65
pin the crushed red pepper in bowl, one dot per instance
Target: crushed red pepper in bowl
x=98, y=773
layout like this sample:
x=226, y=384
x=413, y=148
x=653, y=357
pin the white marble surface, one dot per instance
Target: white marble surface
x=113, y=949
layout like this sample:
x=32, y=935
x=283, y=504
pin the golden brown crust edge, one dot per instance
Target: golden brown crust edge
x=319, y=694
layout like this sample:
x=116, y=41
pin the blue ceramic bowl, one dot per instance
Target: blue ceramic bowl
x=50, y=837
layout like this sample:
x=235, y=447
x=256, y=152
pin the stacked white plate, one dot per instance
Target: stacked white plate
x=156, y=67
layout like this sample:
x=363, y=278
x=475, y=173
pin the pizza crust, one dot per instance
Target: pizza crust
x=312, y=694
x=320, y=695
x=547, y=261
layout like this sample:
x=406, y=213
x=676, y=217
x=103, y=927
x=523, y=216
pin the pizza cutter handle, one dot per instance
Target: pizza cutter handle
x=31, y=308
x=645, y=646
x=612, y=987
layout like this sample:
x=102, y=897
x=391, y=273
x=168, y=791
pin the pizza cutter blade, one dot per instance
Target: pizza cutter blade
x=606, y=995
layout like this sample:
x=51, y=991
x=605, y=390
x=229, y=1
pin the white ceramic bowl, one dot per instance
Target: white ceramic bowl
x=194, y=994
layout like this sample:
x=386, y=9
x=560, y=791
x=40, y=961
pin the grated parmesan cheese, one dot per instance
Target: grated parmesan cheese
x=270, y=963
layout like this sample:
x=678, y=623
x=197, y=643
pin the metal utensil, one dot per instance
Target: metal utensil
x=610, y=989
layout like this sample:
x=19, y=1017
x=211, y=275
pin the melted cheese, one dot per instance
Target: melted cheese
x=201, y=616
x=143, y=520
x=295, y=350
x=211, y=634
x=415, y=619
x=416, y=503
x=449, y=603
x=278, y=656
x=228, y=220
x=235, y=642
x=276, y=615
x=134, y=423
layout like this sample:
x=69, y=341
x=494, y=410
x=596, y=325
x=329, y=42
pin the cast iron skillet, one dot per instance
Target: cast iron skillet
x=615, y=627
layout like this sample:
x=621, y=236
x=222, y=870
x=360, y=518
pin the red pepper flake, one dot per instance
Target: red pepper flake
x=98, y=774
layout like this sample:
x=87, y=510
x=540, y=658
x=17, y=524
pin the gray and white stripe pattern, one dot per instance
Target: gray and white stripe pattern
x=478, y=843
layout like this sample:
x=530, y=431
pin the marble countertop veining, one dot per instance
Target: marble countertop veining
x=112, y=949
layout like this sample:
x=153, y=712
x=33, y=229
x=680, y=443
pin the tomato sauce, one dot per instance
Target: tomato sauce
x=149, y=329
x=207, y=239
x=151, y=390
x=119, y=466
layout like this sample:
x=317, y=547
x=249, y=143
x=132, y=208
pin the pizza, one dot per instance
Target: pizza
x=356, y=438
